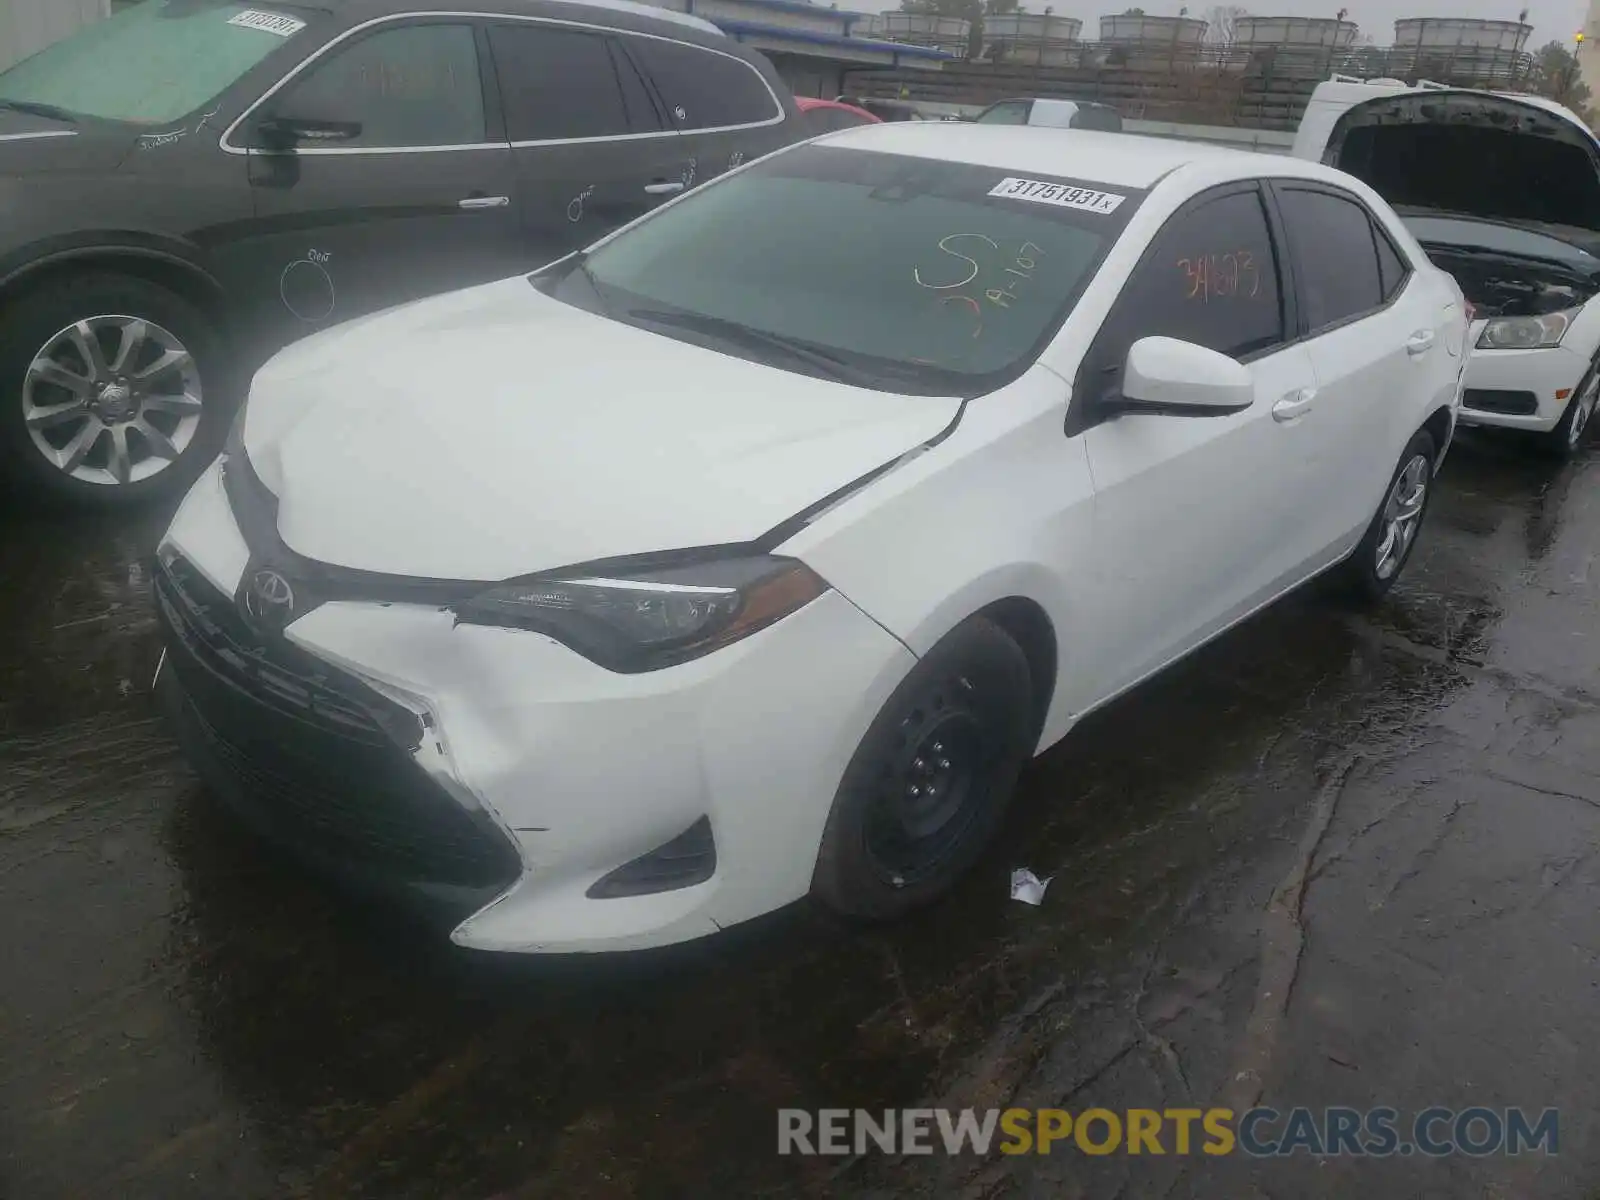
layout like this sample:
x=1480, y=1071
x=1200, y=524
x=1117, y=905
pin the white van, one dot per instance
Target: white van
x=1503, y=191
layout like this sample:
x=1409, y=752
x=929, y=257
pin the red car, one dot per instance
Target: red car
x=824, y=116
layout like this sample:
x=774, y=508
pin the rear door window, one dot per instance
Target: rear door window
x=1336, y=254
x=705, y=89
x=1210, y=277
x=561, y=83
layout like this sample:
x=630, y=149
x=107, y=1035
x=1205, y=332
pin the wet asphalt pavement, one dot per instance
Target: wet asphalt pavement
x=1331, y=860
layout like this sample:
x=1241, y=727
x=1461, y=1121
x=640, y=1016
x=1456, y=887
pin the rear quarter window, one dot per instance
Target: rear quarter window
x=705, y=89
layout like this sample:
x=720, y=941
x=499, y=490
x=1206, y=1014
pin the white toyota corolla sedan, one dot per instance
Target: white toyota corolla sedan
x=752, y=552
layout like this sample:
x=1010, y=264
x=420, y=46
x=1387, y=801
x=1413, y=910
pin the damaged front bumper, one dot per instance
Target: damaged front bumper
x=540, y=801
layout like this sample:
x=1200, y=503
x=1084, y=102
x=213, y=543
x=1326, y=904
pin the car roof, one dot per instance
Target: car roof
x=1118, y=159
x=365, y=10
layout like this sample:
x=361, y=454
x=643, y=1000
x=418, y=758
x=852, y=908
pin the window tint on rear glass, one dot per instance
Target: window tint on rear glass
x=703, y=89
x=1210, y=277
x=1336, y=253
x=410, y=85
x=915, y=275
x=566, y=83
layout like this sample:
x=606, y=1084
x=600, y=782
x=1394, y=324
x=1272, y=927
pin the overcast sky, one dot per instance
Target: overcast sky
x=1551, y=19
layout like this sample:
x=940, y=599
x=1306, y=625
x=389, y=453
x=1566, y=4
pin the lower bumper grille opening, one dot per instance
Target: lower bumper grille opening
x=1510, y=404
x=686, y=860
x=314, y=759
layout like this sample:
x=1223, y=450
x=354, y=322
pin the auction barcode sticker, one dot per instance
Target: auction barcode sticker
x=1062, y=195
x=254, y=18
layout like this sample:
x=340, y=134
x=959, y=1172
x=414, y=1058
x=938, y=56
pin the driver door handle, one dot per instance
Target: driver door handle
x=472, y=202
x=1419, y=342
x=1296, y=404
x=663, y=188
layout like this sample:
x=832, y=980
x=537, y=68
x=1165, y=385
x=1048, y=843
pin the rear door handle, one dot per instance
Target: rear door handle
x=472, y=202
x=663, y=188
x=1419, y=342
x=1295, y=404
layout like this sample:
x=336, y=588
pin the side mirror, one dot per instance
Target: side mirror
x=285, y=133
x=1165, y=375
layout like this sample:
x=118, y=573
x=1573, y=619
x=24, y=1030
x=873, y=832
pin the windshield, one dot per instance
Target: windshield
x=1445, y=230
x=909, y=274
x=153, y=63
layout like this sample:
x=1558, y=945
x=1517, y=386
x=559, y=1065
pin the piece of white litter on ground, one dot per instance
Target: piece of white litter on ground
x=1028, y=887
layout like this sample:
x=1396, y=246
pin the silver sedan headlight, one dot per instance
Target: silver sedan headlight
x=1526, y=333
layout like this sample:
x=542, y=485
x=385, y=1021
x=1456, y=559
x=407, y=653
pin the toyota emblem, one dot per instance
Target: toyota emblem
x=269, y=599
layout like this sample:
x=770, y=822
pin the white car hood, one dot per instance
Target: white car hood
x=495, y=432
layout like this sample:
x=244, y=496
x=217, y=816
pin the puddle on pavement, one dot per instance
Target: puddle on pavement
x=200, y=1019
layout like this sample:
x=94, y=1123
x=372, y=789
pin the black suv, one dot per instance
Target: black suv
x=190, y=184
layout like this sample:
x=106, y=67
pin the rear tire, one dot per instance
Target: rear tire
x=1566, y=439
x=931, y=780
x=113, y=390
x=1385, y=549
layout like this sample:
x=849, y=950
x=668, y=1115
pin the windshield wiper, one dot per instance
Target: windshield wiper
x=829, y=365
x=34, y=108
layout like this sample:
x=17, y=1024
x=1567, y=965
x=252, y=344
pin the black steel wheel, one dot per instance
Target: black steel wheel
x=931, y=779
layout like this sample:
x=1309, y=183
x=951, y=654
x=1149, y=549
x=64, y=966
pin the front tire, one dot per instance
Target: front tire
x=1379, y=560
x=1566, y=439
x=930, y=781
x=112, y=390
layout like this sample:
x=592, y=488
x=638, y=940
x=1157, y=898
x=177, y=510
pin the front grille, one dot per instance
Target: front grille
x=313, y=756
x=1511, y=404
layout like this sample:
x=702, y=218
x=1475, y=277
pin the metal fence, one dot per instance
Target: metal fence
x=1253, y=86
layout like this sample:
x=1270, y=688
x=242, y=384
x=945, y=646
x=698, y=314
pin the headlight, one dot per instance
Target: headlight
x=642, y=620
x=1526, y=333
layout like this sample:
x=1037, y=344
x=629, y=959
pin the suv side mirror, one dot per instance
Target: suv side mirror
x=285, y=133
x=1181, y=379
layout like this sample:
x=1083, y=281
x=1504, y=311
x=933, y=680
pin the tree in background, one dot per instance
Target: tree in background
x=1222, y=23
x=1555, y=75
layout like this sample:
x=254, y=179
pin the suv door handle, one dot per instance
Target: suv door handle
x=1419, y=342
x=1296, y=404
x=663, y=187
x=484, y=202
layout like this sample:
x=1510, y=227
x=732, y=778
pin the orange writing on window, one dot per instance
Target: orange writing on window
x=1230, y=275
